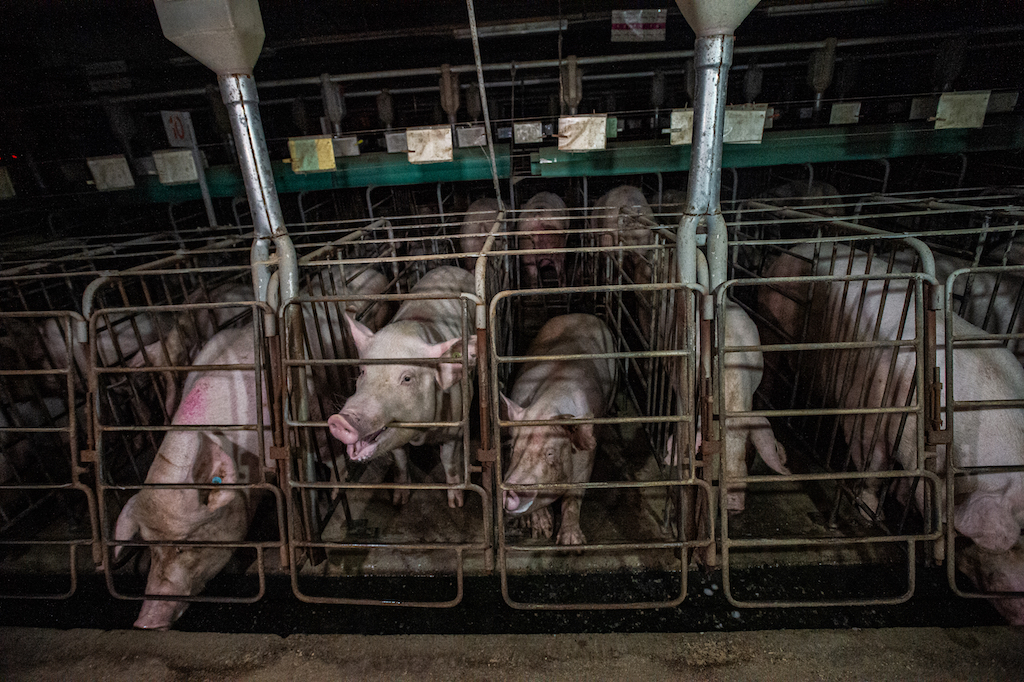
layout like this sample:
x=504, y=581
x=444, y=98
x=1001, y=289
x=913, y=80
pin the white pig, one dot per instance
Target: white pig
x=624, y=217
x=183, y=514
x=990, y=508
x=997, y=572
x=742, y=375
x=480, y=218
x=545, y=215
x=386, y=393
x=559, y=389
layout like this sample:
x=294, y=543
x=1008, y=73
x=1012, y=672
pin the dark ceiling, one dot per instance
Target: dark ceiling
x=47, y=45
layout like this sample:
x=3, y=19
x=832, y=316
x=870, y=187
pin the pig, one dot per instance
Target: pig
x=624, y=217
x=480, y=218
x=990, y=508
x=386, y=393
x=187, y=514
x=997, y=572
x=546, y=216
x=742, y=375
x=188, y=331
x=820, y=196
x=555, y=390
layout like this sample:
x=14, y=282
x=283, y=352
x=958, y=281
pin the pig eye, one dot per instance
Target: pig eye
x=406, y=378
x=550, y=454
x=362, y=371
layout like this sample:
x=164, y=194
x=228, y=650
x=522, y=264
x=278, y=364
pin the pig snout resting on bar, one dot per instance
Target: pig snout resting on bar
x=480, y=218
x=192, y=457
x=395, y=392
x=558, y=389
x=546, y=216
x=989, y=508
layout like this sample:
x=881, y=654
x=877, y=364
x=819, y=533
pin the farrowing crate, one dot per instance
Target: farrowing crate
x=47, y=508
x=813, y=389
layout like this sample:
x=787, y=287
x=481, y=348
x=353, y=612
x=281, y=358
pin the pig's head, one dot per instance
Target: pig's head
x=388, y=393
x=542, y=454
x=166, y=515
x=997, y=572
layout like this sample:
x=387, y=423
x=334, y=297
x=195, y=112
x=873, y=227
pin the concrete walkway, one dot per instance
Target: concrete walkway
x=932, y=654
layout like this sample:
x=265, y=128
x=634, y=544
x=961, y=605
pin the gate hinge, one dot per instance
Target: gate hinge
x=280, y=452
x=486, y=456
x=90, y=456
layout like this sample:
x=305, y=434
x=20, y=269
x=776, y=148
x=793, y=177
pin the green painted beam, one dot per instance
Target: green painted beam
x=841, y=143
x=378, y=168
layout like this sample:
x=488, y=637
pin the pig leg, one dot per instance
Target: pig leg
x=401, y=495
x=451, y=460
x=570, y=533
x=541, y=523
x=770, y=450
x=734, y=464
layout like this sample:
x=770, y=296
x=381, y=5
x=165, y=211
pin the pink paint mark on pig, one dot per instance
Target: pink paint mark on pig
x=194, y=406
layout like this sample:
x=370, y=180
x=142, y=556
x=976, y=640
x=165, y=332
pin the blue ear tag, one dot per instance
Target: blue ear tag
x=217, y=479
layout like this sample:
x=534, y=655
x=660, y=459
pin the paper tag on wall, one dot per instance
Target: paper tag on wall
x=961, y=110
x=582, y=133
x=110, y=172
x=311, y=154
x=6, y=186
x=530, y=132
x=638, y=25
x=844, y=112
x=743, y=125
x=175, y=166
x=431, y=144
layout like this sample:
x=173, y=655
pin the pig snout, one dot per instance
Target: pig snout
x=518, y=503
x=342, y=429
x=159, y=615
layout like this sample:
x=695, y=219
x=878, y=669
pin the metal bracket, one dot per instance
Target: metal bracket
x=486, y=456
x=89, y=456
x=280, y=453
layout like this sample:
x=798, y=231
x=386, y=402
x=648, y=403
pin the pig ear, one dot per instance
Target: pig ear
x=361, y=334
x=512, y=411
x=449, y=374
x=127, y=526
x=223, y=467
x=582, y=435
x=986, y=519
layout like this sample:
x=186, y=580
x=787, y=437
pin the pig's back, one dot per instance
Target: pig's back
x=589, y=379
x=443, y=315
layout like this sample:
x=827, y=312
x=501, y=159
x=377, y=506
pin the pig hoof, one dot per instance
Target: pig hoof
x=401, y=497
x=570, y=536
x=455, y=498
x=541, y=524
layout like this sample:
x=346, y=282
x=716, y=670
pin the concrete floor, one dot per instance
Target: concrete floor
x=932, y=654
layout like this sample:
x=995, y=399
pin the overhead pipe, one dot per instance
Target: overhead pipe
x=669, y=55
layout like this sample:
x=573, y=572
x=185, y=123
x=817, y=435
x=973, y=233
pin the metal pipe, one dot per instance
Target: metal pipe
x=669, y=55
x=483, y=104
x=712, y=58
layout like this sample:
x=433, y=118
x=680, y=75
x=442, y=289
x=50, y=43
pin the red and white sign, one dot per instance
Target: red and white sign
x=178, y=125
x=638, y=25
